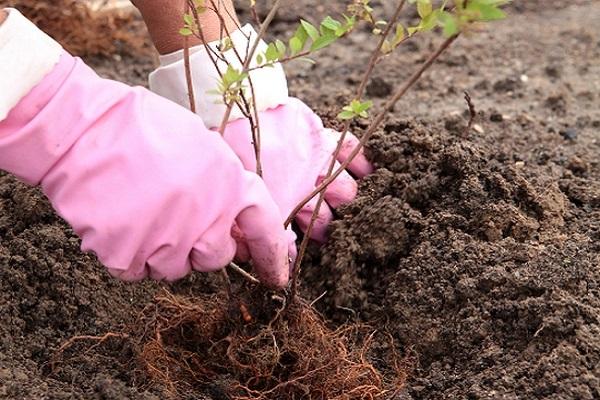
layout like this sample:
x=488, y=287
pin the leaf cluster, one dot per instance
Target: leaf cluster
x=306, y=39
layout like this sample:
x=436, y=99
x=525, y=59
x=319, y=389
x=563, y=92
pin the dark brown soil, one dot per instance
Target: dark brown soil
x=479, y=252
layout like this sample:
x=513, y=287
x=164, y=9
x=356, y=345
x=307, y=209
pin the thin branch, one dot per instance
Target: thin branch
x=377, y=53
x=236, y=268
x=188, y=67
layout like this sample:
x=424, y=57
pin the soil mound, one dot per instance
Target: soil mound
x=475, y=265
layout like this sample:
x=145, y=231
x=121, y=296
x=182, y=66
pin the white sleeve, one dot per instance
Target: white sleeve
x=27, y=55
x=270, y=84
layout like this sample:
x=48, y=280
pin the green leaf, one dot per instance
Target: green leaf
x=424, y=8
x=323, y=42
x=386, y=47
x=188, y=19
x=301, y=35
x=185, y=32
x=259, y=59
x=449, y=24
x=272, y=54
x=345, y=115
x=281, y=48
x=488, y=12
x=296, y=46
x=399, y=36
x=310, y=29
x=330, y=25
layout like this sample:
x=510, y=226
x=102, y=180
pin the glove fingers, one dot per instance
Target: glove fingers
x=267, y=243
x=324, y=218
x=213, y=252
x=360, y=166
x=242, y=253
x=341, y=191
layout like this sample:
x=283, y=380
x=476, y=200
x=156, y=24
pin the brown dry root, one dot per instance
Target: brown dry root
x=82, y=31
x=191, y=344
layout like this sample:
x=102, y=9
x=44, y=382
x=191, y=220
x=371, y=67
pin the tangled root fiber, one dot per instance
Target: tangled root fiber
x=255, y=350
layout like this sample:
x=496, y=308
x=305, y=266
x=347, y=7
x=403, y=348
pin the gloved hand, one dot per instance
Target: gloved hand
x=141, y=180
x=296, y=149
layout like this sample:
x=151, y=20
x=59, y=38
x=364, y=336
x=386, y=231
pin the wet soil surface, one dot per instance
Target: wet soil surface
x=479, y=252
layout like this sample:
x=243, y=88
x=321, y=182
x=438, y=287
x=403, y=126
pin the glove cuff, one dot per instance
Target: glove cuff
x=27, y=55
x=270, y=84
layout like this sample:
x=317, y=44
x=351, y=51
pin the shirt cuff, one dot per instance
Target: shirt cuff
x=27, y=55
x=270, y=84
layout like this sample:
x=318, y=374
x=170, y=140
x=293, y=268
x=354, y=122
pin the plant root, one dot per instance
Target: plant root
x=256, y=348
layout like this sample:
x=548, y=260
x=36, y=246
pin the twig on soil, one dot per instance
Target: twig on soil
x=236, y=268
x=472, y=113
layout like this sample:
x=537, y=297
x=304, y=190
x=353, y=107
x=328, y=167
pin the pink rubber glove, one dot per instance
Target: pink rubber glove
x=144, y=184
x=296, y=151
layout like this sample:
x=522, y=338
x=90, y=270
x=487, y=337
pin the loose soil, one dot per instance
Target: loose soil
x=477, y=253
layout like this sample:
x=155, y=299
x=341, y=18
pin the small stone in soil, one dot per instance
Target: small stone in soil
x=496, y=117
x=569, y=134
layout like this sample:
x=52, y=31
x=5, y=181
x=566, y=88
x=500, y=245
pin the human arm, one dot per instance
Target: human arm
x=164, y=21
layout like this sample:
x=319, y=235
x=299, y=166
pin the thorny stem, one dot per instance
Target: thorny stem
x=377, y=121
x=375, y=56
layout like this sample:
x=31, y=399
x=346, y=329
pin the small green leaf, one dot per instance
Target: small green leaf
x=399, y=36
x=260, y=59
x=424, y=8
x=272, y=54
x=296, y=46
x=449, y=24
x=281, y=48
x=310, y=29
x=323, y=42
x=386, y=47
x=185, y=32
x=188, y=19
x=301, y=35
x=330, y=25
x=345, y=115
